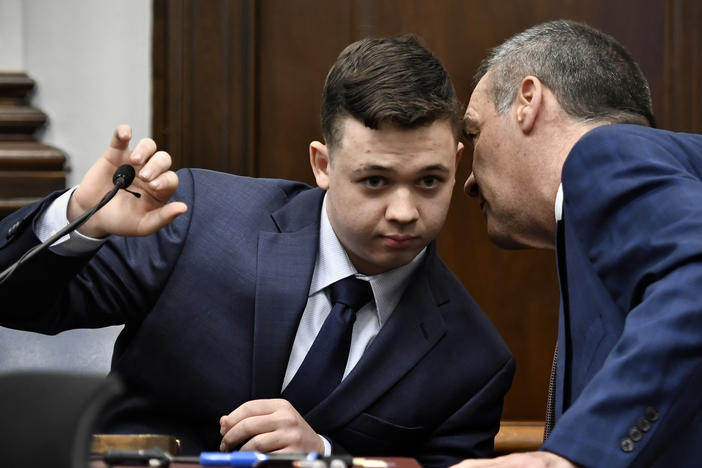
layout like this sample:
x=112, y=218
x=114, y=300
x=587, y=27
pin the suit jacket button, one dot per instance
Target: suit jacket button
x=651, y=413
x=627, y=444
x=635, y=434
x=643, y=424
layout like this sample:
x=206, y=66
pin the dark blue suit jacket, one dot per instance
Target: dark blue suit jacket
x=212, y=303
x=630, y=338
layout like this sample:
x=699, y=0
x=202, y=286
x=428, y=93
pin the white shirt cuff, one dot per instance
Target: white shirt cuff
x=327, y=446
x=53, y=219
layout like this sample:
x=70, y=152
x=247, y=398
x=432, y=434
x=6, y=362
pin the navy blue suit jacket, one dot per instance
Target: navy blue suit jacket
x=212, y=303
x=630, y=266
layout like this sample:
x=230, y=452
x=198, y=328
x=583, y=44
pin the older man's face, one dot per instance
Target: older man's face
x=498, y=175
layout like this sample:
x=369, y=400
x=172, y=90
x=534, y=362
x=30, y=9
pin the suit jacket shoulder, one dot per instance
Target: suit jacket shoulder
x=632, y=243
x=624, y=186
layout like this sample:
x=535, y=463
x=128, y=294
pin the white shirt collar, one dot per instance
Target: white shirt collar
x=559, y=203
x=333, y=264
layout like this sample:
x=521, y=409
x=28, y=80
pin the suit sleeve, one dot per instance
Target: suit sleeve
x=118, y=284
x=633, y=204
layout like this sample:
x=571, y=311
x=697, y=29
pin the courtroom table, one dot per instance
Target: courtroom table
x=102, y=443
x=395, y=462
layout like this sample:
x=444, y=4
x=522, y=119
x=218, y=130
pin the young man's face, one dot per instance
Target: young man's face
x=388, y=190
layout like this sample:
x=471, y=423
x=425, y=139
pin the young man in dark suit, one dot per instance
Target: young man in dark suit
x=565, y=157
x=224, y=289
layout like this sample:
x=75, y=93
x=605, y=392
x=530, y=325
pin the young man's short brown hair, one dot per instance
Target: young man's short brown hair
x=392, y=80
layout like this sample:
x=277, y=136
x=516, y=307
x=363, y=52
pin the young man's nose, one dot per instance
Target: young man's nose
x=402, y=207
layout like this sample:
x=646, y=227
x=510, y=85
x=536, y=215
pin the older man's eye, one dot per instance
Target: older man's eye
x=470, y=136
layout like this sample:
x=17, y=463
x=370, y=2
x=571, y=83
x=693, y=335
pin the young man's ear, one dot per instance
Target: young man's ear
x=319, y=160
x=529, y=100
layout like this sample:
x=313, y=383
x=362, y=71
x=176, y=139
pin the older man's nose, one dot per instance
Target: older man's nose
x=471, y=186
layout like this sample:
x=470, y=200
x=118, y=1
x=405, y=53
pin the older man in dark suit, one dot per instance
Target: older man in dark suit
x=564, y=157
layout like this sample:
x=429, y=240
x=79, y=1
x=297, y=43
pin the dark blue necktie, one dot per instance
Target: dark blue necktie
x=325, y=362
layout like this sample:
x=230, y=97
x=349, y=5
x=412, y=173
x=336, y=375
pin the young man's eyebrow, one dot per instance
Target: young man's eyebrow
x=371, y=167
x=379, y=168
x=436, y=168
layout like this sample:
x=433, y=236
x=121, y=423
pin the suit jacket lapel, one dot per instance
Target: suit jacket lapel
x=285, y=265
x=413, y=329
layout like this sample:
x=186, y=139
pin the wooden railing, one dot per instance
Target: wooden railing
x=29, y=169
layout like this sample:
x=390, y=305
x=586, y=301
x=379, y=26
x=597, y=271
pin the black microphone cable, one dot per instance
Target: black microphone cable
x=123, y=177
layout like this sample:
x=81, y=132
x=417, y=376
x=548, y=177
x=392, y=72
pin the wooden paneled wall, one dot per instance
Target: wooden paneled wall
x=237, y=88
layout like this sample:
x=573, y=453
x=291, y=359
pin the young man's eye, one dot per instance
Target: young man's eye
x=373, y=182
x=429, y=181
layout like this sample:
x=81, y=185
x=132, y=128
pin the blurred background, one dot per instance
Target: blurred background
x=235, y=85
